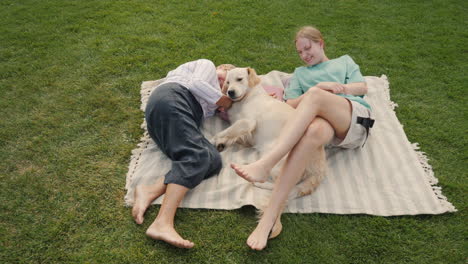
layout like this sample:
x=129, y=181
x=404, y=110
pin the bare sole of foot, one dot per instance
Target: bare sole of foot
x=251, y=172
x=276, y=230
x=168, y=235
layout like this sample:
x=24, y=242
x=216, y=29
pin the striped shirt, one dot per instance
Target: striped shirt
x=200, y=78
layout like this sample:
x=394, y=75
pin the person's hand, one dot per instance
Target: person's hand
x=224, y=102
x=332, y=87
x=227, y=105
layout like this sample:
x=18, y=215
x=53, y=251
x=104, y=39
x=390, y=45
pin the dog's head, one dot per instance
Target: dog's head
x=238, y=83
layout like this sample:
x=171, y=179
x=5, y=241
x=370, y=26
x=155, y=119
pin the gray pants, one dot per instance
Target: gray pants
x=173, y=118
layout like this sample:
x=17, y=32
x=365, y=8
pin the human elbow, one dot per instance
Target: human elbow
x=364, y=88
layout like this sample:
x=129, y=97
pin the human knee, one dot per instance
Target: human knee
x=216, y=163
x=313, y=94
x=317, y=133
x=212, y=158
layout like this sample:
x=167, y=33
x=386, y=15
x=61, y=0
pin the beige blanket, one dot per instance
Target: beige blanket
x=388, y=176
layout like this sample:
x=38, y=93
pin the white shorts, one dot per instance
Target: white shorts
x=357, y=133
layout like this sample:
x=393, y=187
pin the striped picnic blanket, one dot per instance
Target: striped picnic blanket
x=388, y=176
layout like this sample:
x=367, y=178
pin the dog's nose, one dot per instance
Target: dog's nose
x=231, y=93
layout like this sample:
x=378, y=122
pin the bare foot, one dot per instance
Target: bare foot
x=168, y=234
x=259, y=237
x=144, y=196
x=252, y=172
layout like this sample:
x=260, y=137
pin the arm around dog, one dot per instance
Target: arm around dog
x=224, y=102
x=204, y=81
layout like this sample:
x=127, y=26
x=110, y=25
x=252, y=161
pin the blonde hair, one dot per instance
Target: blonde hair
x=226, y=67
x=311, y=33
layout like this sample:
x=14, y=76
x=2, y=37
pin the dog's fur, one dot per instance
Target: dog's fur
x=257, y=120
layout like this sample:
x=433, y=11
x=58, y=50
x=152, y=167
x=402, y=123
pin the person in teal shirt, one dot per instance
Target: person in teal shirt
x=341, y=70
x=330, y=109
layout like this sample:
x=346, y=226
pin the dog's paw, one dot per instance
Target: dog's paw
x=219, y=143
x=305, y=191
x=305, y=188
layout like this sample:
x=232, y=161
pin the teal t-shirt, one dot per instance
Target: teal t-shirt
x=342, y=70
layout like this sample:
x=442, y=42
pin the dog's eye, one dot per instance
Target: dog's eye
x=239, y=79
x=227, y=82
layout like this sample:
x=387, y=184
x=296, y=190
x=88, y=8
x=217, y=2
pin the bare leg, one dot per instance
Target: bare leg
x=316, y=102
x=144, y=196
x=163, y=226
x=319, y=133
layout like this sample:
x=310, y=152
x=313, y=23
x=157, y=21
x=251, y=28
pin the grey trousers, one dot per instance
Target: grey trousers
x=173, y=118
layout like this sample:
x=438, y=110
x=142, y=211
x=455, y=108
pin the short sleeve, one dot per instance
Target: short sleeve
x=294, y=89
x=353, y=73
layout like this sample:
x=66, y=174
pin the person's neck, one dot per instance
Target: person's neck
x=325, y=58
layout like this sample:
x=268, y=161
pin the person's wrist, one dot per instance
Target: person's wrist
x=345, y=89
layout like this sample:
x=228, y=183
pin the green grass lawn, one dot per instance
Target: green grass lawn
x=70, y=74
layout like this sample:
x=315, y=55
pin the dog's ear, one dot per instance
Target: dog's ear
x=253, y=78
x=225, y=87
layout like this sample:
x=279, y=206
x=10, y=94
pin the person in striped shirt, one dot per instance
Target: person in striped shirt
x=174, y=114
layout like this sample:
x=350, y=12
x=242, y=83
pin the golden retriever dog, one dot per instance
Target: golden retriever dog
x=256, y=120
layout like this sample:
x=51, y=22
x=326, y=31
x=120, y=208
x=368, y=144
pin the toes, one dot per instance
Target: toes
x=183, y=244
x=234, y=166
x=255, y=246
x=238, y=170
x=250, y=244
x=243, y=174
x=188, y=244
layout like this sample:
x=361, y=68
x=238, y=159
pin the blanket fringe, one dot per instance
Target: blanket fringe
x=422, y=158
x=146, y=89
x=433, y=181
x=135, y=158
x=392, y=104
